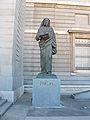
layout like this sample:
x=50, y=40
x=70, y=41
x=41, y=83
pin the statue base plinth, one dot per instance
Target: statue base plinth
x=46, y=92
x=44, y=75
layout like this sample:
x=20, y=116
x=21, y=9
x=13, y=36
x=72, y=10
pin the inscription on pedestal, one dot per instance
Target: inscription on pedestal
x=46, y=83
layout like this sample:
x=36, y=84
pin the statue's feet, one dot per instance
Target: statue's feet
x=46, y=75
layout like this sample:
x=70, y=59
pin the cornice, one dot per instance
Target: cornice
x=86, y=31
x=61, y=2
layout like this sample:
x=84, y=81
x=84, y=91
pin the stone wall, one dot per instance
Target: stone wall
x=63, y=17
x=11, y=48
x=7, y=13
x=18, y=44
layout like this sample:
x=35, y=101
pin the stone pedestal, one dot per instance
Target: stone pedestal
x=46, y=92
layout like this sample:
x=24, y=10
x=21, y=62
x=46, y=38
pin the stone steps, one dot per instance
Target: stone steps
x=69, y=83
x=65, y=89
x=68, y=80
x=2, y=101
x=4, y=106
x=28, y=88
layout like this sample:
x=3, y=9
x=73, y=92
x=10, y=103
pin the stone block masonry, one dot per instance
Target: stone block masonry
x=64, y=15
x=11, y=48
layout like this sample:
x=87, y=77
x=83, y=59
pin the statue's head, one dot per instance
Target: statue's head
x=45, y=22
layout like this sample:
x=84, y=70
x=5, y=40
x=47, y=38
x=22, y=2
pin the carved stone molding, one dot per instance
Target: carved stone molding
x=86, y=31
x=65, y=2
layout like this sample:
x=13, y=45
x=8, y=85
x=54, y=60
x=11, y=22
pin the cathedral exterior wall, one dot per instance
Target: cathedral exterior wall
x=64, y=19
x=11, y=49
x=6, y=43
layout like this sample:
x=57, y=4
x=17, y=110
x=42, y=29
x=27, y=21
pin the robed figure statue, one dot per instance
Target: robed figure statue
x=47, y=44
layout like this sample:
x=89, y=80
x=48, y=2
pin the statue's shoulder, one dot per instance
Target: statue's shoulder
x=40, y=29
x=51, y=29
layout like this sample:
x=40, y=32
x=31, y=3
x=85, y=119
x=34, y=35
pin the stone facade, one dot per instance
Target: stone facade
x=11, y=49
x=68, y=19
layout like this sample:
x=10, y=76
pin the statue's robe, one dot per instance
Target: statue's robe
x=47, y=48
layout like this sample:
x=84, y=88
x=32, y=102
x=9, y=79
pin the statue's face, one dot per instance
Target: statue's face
x=46, y=22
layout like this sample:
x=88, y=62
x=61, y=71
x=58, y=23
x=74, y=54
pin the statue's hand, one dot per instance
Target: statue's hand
x=46, y=36
x=40, y=37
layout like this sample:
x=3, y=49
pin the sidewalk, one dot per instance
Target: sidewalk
x=73, y=110
x=59, y=118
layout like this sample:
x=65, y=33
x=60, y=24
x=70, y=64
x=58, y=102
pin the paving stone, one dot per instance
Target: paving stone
x=59, y=118
x=72, y=110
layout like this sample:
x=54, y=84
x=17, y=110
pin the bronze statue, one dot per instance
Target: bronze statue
x=47, y=44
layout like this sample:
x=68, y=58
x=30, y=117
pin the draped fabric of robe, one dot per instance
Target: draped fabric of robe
x=47, y=48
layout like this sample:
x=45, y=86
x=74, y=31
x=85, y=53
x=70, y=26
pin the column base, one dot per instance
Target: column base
x=12, y=96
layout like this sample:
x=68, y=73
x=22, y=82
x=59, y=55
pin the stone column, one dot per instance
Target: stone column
x=11, y=49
